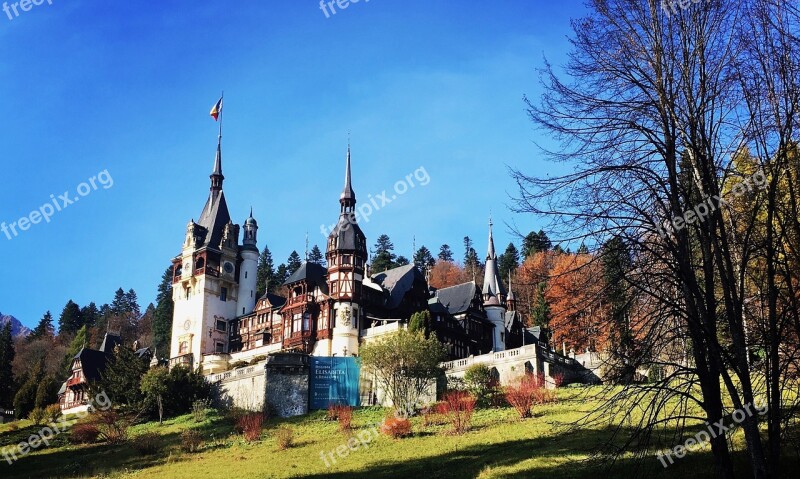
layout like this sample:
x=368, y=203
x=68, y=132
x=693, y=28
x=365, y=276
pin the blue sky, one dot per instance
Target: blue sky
x=126, y=87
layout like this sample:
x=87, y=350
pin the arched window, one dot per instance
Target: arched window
x=183, y=347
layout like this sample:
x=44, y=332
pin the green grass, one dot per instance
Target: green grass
x=498, y=446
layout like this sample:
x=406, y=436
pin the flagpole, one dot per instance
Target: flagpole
x=221, y=107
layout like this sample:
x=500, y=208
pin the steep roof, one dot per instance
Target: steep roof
x=311, y=273
x=274, y=299
x=214, y=217
x=92, y=362
x=457, y=299
x=110, y=341
x=398, y=281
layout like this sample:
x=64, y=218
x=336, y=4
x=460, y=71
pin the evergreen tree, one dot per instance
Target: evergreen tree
x=383, y=257
x=316, y=256
x=78, y=343
x=423, y=258
x=617, y=262
x=90, y=315
x=132, y=303
x=266, y=278
x=583, y=249
x=281, y=275
x=7, y=354
x=401, y=261
x=162, y=316
x=508, y=261
x=471, y=261
x=46, y=392
x=119, y=305
x=121, y=379
x=70, y=320
x=42, y=330
x=535, y=242
x=25, y=399
x=293, y=263
x=445, y=254
x=540, y=314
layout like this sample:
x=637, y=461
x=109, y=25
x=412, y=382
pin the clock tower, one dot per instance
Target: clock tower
x=347, y=256
x=210, y=274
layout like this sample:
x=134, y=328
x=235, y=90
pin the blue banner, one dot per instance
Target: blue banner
x=334, y=381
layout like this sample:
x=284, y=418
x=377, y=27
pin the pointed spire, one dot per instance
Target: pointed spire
x=348, y=196
x=216, y=176
x=511, y=296
x=490, y=254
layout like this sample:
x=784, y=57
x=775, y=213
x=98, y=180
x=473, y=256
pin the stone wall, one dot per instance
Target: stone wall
x=287, y=384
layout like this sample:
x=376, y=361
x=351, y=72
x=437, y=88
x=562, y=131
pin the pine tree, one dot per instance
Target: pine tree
x=617, y=263
x=119, y=305
x=121, y=379
x=540, y=314
x=535, y=243
x=281, y=275
x=445, y=254
x=132, y=304
x=471, y=261
x=25, y=399
x=78, y=343
x=293, y=263
x=266, y=278
x=508, y=261
x=423, y=258
x=316, y=256
x=384, y=257
x=401, y=261
x=583, y=249
x=162, y=316
x=90, y=314
x=6, y=373
x=70, y=320
x=42, y=330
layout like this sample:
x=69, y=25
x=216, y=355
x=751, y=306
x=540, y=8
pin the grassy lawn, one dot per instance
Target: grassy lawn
x=498, y=446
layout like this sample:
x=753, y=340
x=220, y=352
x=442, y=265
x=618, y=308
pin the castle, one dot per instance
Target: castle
x=218, y=320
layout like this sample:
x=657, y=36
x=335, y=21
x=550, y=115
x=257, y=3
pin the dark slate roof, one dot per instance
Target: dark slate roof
x=143, y=353
x=110, y=341
x=274, y=299
x=345, y=235
x=311, y=273
x=214, y=218
x=398, y=281
x=457, y=299
x=93, y=362
x=510, y=316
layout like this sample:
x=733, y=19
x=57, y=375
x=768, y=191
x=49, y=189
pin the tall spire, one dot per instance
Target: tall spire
x=216, y=176
x=490, y=254
x=348, y=196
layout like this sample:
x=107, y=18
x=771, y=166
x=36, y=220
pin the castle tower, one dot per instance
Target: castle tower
x=494, y=295
x=248, y=270
x=205, y=284
x=347, y=256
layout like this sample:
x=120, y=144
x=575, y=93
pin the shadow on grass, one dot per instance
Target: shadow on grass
x=490, y=460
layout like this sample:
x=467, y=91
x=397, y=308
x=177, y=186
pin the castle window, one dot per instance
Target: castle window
x=183, y=347
x=296, y=322
x=346, y=259
x=245, y=275
x=223, y=294
x=221, y=325
x=334, y=287
x=219, y=347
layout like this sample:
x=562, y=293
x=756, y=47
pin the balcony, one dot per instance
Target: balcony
x=184, y=360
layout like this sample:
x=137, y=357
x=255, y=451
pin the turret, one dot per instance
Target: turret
x=248, y=270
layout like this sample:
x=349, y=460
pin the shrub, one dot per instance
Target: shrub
x=113, y=427
x=458, y=407
x=531, y=391
x=256, y=360
x=284, y=436
x=14, y=426
x=250, y=426
x=396, y=427
x=52, y=412
x=38, y=416
x=147, y=444
x=191, y=441
x=343, y=414
x=239, y=364
x=199, y=409
x=486, y=389
x=83, y=434
x=432, y=417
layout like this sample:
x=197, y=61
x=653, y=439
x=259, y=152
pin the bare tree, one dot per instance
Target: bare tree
x=663, y=107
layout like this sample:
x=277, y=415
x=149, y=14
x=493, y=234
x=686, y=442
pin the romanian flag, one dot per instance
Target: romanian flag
x=217, y=110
